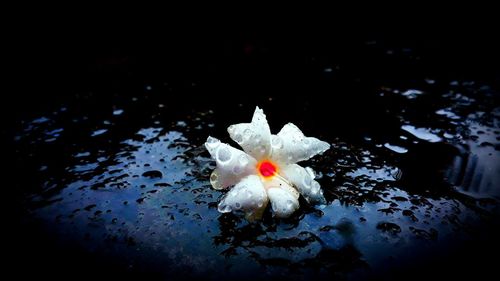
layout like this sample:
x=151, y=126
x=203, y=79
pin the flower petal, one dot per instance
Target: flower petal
x=249, y=196
x=291, y=146
x=303, y=179
x=284, y=197
x=254, y=137
x=232, y=164
x=280, y=182
x=283, y=202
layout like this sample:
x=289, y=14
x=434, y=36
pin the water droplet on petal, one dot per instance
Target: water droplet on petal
x=214, y=180
x=212, y=143
x=306, y=143
x=224, y=208
x=276, y=142
x=212, y=140
x=262, y=149
x=238, y=138
x=237, y=170
x=224, y=154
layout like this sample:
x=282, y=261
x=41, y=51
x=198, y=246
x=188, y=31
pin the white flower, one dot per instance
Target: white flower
x=266, y=170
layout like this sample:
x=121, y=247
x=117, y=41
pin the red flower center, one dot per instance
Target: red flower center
x=267, y=169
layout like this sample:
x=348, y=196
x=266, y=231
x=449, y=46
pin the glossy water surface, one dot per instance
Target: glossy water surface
x=413, y=174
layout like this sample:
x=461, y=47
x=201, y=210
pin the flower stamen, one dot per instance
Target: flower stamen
x=267, y=169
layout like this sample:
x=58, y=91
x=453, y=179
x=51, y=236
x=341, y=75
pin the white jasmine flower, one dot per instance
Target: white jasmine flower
x=266, y=170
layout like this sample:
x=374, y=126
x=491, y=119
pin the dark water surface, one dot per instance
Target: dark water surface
x=113, y=178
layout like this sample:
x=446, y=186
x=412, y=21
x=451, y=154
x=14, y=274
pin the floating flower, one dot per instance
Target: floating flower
x=266, y=170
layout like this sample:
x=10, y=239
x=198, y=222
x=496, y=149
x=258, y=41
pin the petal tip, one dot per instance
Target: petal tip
x=211, y=140
x=323, y=146
x=259, y=116
x=211, y=144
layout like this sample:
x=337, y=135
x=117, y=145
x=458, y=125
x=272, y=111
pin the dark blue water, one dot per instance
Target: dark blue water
x=115, y=179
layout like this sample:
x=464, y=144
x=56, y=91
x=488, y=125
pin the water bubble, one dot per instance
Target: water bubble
x=237, y=205
x=274, y=207
x=306, y=143
x=224, y=208
x=224, y=155
x=215, y=182
x=238, y=138
x=237, y=170
x=263, y=149
x=276, y=142
x=212, y=143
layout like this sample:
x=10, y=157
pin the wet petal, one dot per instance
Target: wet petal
x=280, y=182
x=232, y=164
x=283, y=202
x=303, y=179
x=254, y=137
x=284, y=197
x=291, y=146
x=249, y=196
